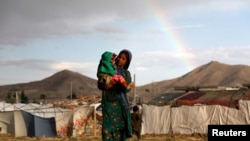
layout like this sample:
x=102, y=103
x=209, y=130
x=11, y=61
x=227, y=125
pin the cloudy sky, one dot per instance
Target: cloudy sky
x=168, y=38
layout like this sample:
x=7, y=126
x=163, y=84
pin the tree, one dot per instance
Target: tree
x=43, y=96
x=23, y=98
x=10, y=98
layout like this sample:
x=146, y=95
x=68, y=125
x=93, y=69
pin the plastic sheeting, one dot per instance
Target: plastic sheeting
x=244, y=106
x=165, y=99
x=191, y=119
x=22, y=123
x=75, y=123
x=45, y=111
x=38, y=126
x=155, y=119
x=13, y=123
x=195, y=119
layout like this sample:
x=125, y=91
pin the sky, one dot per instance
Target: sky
x=168, y=38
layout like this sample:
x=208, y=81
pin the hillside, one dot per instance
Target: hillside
x=57, y=86
x=211, y=74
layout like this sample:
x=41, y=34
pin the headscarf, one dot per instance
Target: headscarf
x=129, y=57
x=122, y=95
x=105, y=65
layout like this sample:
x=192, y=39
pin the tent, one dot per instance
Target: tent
x=21, y=123
x=165, y=99
x=75, y=123
x=31, y=120
x=45, y=111
x=12, y=122
x=191, y=119
x=219, y=96
x=39, y=127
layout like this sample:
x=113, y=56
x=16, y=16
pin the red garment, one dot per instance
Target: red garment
x=119, y=79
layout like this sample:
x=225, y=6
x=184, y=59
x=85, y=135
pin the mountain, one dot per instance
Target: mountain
x=211, y=74
x=59, y=85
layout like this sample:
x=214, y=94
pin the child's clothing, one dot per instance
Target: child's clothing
x=136, y=122
x=107, y=64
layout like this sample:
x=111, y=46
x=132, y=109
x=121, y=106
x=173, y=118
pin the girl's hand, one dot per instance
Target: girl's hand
x=131, y=85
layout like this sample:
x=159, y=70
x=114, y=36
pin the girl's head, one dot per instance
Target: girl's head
x=124, y=58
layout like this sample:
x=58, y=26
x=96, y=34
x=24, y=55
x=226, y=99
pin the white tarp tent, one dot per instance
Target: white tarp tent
x=195, y=119
x=12, y=122
x=20, y=123
x=45, y=111
x=244, y=106
x=156, y=119
x=24, y=119
x=191, y=119
x=76, y=122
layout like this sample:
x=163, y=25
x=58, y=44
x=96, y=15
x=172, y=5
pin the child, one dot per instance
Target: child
x=107, y=66
x=136, y=122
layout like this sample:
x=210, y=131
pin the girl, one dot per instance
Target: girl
x=115, y=106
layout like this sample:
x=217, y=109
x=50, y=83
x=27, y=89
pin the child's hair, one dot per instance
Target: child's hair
x=135, y=108
x=113, y=58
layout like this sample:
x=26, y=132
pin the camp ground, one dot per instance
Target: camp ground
x=185, y=112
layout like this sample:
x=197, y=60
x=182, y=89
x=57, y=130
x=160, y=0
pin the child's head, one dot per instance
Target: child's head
x=113, y=58
x=135, y=108
x=107, y=63
x=124, y=58
x=109, y=57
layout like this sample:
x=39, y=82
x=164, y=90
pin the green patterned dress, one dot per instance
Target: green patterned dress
x=116, y=114
x=117, y=124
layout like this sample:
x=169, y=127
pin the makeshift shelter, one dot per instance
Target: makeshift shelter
x=190, y=99
x=156, y=119
x=76, y=123
x=246, y=95
x=12, y=122
x=165, y=99
x=6, y=107
x=45, y=111
x=21, y=123
x=31, y=120
x=204, y=96
x=229, y=98
x=35, y=120
x=39, y=127
x=191, y=119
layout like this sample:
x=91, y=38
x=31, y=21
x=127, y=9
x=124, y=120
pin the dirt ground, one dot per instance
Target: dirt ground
x=175, y=137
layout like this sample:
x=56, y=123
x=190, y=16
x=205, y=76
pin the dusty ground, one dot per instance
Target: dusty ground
x=175, y=137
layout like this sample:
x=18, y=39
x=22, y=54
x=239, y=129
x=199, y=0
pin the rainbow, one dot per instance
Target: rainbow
x=176, y=40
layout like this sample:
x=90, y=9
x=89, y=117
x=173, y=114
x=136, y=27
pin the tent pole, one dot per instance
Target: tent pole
x=134, y=93
x=16, y=97
x=71, y=91
x=94, y=121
